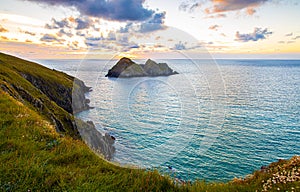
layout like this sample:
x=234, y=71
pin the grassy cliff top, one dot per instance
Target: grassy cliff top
x=49, y=92
x=35, y=157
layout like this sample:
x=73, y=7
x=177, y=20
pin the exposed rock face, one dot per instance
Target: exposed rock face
x=71, y=99
x=103, y=144
x=55, y=96
x=125, y=67
x=79, y=102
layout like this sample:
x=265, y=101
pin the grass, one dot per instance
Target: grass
x=35, y=157
x=39, y=97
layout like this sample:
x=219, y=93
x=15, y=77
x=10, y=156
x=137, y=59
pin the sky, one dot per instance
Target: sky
x=103, y=29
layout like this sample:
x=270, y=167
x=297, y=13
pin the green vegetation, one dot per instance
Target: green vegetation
x=35, y=157
x=46, y=91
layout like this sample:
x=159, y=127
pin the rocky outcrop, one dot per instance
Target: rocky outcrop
x=102, y=144
x=54, y=95
x=126, y=68
x=70, y=98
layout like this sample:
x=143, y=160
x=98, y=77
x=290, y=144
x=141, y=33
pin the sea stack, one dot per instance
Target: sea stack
x=126, y=68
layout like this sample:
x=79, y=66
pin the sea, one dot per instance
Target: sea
x=214, y=121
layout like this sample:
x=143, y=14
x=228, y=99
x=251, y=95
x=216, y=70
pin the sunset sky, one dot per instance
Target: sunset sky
x=71, y=29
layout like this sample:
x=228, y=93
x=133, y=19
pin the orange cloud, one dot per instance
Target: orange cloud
x=251, y=11
x=234, y=5
x=2, y=29
x=3, y=38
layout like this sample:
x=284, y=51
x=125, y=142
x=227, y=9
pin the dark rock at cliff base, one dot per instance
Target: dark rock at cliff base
x=102, y=144
x=126, y=68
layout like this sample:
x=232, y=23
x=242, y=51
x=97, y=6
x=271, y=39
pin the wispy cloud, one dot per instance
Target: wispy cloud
x=257, y=34
x=190, y=5
x=27, y=32
x=50, y=38
x=2, y=29
x=3, y=38
x=289, y=34
x=234, y=5
x=289, y=42
x=179, y=46
x=222, y=6
x=220, y=15
x=297, y=37
x=214, y=27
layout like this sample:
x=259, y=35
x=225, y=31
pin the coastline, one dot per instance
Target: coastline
x=42, y=151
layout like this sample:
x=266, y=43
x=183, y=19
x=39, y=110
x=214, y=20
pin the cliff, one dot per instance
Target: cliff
x=126, y=68
x=47, y=91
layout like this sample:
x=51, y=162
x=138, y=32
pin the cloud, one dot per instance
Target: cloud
x=190, y=5
x=126, y=28
x=134, y=47
x=62, y=32
x=120, y=10
x=256, y=35
x=154, y=24
x=27, y=32
x=2, y=29
x=111, y=36
x=58, y=24
x=179, y=46
x=80, y=23
x=290, y=42
x=50, y=38
x=289, y=34
x=123, y=40
x=220, y=15
x=94, y=38
x=223, y=34
x=297, y=37
x=214, y=27
x=3, y=38
x=220, y=6
x=250, y=11
x=81, y=34
x=83, y=23
x=234, y=5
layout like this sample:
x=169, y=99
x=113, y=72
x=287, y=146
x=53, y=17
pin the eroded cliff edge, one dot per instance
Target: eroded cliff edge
x=56, y=96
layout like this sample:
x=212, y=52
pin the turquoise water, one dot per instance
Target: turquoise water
x=216, y=120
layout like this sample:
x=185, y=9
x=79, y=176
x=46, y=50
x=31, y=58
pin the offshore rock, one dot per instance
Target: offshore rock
x=126, y=68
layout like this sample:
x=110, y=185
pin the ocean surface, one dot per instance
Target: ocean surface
x=215, y=120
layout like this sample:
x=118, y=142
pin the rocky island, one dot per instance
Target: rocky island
x=126, y=68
